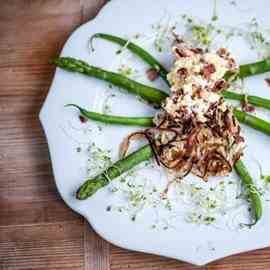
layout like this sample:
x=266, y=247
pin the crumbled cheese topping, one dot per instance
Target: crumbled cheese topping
x=196, y=80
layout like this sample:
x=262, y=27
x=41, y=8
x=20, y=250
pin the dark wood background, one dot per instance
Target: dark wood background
x=37, y=230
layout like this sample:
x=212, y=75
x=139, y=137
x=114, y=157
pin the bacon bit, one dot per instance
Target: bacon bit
x=238, y=139
x=195, y=122
x=83, y=119
x=174, y=99
x=183, y=73
x=267, y=80
x=213, y=105
x=197, y=50
x=152, y=74
x=184, y=113
x=237, y=156
x=232, y=64
x=177, y=38
x=220, y=85
x=208, y=70
x=198, y=93
x=180, y=52
x=247, y=107
x=225, y=54
x=228, y=121
x=222, y=52
x=192, y=138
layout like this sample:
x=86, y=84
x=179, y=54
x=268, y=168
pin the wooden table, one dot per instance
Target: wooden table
x=37, y=230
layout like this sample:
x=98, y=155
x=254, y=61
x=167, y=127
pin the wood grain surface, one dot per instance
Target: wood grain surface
x=37, y=230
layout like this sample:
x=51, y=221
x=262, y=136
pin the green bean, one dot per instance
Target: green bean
x=252, y=190
x=242, y=117
x=148, y=93
x=254, y=100
x=140, y=52
x=252, y=121
x=91, y=186
x=112, y=119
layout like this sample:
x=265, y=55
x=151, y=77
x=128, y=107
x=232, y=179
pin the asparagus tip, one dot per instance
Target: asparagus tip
x=54, y=60
x=78, y=196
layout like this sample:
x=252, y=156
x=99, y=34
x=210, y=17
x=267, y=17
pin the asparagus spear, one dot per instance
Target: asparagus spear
x=253, y=192
x=254, y=68
x=254, y=100
x=252, y=121
x=91, y=186
x=148, y=93
x=250, y=69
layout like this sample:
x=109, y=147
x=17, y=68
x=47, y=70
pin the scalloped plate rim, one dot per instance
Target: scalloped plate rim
x=43, y=120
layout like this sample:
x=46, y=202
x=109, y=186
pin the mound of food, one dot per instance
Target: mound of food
x=196, y=130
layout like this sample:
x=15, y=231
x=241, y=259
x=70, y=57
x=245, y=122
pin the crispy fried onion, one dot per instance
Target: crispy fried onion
x=205, y=149
x=123, y=149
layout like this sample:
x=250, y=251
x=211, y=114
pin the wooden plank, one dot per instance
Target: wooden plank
x=255, y=260
x=37, y=231
x=31, y=82
x=90, y=9
x=124, y=259
x=96, y=250
x=37, y=32
x=16, y=212
x=50, y=246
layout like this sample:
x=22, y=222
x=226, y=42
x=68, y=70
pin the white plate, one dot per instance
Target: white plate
x=191, y=243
